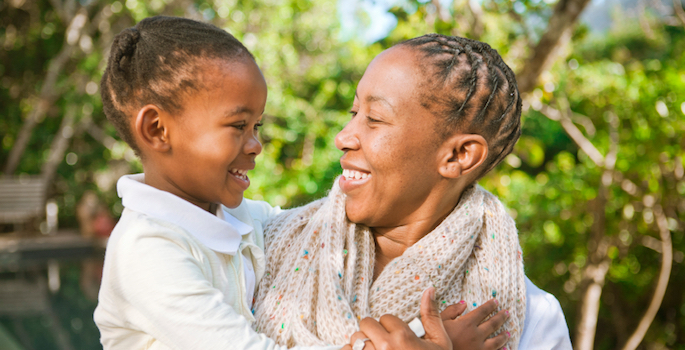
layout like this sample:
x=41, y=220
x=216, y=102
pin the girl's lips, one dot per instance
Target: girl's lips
x=352, y=179
x=241, y=179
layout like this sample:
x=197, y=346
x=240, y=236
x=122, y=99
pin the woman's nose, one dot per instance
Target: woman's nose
x=347, y=139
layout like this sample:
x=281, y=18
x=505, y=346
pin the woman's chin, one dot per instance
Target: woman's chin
x=356, y=213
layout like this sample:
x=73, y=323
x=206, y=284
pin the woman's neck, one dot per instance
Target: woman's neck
x=391, y=242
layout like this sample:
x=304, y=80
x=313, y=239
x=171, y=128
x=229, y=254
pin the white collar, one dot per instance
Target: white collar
x=221, y=233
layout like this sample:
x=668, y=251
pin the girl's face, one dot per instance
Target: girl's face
x=214, y=140
x=391, y=161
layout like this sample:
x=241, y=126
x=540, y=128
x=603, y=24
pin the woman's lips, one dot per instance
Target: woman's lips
x=354, y=174
x=353, y=179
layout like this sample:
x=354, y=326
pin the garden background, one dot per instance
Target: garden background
x=596, y=183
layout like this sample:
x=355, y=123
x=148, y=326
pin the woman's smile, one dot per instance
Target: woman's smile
x=353, y=178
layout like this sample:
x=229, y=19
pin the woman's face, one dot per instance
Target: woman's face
x=390, y=165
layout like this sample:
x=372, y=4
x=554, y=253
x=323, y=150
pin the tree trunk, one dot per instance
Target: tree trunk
x=59, y=145
x=660, y=290
x=594, y=275
x=560, y=25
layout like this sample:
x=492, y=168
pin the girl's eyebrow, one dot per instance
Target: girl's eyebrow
x=238, y=110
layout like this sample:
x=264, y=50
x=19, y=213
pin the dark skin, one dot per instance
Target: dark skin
x=412, y=178
x=203, y=153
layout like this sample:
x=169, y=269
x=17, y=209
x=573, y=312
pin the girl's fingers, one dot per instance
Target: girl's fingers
x=479, y=315
x=453, y=311
x=495, y=343
x=494, y=323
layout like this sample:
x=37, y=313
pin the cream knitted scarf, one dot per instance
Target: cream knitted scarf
x=318, y=282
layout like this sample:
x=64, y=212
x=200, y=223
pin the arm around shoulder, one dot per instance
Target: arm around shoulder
x=545, y=326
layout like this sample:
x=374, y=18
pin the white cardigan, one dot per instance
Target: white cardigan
x=173, y=277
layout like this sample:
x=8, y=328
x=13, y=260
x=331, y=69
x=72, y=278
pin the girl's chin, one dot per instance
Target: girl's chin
x=232, y=200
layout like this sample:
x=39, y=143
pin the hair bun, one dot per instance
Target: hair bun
x=128, y=39
x=126, y=43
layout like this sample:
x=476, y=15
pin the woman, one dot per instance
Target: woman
x=431, y=116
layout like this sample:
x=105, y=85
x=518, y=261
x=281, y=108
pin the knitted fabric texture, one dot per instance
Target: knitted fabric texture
x=318, y=283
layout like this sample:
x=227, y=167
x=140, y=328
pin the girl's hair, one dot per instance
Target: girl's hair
x=160, y=61
x=470, y=86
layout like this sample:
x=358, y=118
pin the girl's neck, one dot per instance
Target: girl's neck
x=158, y=180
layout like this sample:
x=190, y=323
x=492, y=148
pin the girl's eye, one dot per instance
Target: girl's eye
x=240, y=127
x=258, y=125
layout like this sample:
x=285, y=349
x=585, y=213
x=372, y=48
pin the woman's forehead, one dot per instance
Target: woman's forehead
x=393, y=78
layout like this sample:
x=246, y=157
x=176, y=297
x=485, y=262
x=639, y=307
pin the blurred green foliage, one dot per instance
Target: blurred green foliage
x=628, y=82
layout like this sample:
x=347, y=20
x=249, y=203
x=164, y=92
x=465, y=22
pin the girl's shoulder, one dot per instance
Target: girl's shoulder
x=257, y=210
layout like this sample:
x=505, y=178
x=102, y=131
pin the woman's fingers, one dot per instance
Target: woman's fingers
x=495, y=343
x=389, y=333
x=357, y=335
x=391, y=323
x=453, y=311
x=372, y=328
x=432, y=322
x=494, y=323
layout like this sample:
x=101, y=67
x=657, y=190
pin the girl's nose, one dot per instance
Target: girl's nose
x=253, y=146
x=347, y=139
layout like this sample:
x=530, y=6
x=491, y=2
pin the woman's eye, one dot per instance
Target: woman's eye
x=372, y=120
x=353, y=113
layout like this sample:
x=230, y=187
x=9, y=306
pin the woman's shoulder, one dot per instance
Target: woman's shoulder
x=545, y=325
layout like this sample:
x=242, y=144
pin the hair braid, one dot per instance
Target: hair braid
x=473, y=89
x=158, y=62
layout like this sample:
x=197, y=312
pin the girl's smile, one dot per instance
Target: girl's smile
x=213, y=141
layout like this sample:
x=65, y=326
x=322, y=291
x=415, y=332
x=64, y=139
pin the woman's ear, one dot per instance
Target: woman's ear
x=461, y=154
x=151, y=130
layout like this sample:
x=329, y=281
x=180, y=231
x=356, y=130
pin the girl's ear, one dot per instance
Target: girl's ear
x=461, y=154
x=151, y=130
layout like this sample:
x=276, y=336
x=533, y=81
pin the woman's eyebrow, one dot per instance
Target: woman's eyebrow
x=374, y=98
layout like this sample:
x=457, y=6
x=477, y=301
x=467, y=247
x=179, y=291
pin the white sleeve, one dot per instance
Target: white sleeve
x=545, y=326
x=172, y=300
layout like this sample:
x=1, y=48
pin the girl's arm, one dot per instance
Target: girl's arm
x=444, y=331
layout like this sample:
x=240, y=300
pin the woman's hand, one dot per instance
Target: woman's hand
x=392, y=333
x=471, y=331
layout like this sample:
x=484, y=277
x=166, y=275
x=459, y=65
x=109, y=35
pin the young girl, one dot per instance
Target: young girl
x=180, y=269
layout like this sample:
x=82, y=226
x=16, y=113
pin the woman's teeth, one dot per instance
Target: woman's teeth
x=353, y=174
x=239, y=173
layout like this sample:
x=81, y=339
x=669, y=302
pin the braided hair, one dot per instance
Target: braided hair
x=470, y=86
x=160, y=61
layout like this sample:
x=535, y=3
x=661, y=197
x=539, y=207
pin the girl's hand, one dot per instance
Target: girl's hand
x=471, y=331
x=392, y=333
